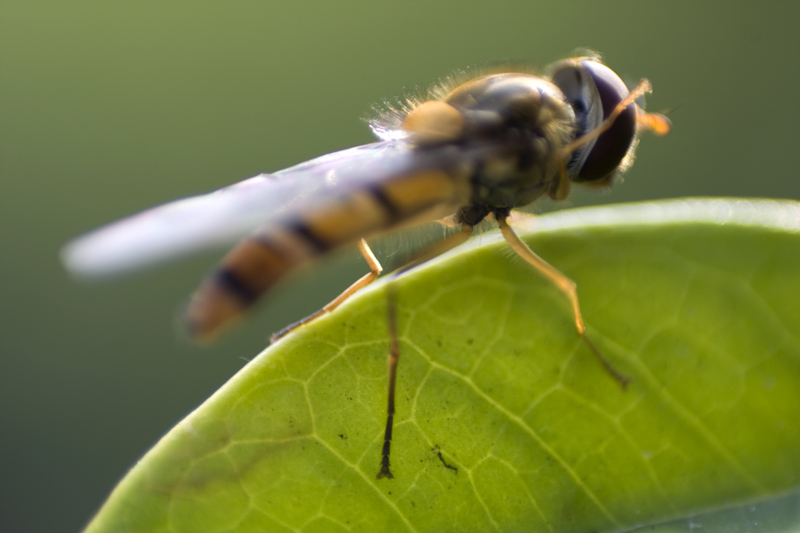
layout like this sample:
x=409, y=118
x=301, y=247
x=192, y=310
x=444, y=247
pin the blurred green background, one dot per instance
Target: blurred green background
x=107, y=108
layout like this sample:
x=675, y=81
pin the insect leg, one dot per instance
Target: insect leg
x=375, y=269
x=394, y=351
x=564, y=284
x=448, y=222
x=654, y=122
x=394, y=358
x=438, y=248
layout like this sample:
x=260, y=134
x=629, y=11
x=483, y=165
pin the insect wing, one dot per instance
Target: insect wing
x=223, y=217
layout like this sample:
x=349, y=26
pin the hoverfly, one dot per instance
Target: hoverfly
x=471, y=150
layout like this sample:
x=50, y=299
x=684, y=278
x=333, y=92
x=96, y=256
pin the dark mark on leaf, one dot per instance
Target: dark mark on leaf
x=451, y=467
x=438, y=452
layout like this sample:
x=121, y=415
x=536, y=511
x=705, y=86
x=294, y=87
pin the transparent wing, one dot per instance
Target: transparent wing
x=230, y=214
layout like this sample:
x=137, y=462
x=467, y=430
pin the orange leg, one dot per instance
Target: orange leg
x=374, y=271
x=565, y=285
x=438, y=248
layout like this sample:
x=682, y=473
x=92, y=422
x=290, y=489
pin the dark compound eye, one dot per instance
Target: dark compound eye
x=594, y=91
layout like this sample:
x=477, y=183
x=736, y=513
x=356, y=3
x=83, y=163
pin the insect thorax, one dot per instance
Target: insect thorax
x=521, y=122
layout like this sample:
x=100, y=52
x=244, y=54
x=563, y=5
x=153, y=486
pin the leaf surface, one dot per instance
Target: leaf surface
x=505, y=420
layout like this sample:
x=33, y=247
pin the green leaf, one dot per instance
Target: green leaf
x=505, y=420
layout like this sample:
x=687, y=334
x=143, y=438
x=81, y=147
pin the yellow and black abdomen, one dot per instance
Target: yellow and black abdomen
x=255, y=265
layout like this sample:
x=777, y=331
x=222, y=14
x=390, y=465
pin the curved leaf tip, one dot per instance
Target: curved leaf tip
x=505, y=421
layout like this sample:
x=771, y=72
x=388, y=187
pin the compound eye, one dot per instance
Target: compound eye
x=594, y=91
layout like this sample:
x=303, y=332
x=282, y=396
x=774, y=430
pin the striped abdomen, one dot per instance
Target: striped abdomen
x=256, y=264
